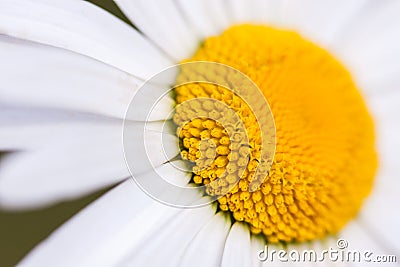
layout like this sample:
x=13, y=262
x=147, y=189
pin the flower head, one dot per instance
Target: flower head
x=289, y=157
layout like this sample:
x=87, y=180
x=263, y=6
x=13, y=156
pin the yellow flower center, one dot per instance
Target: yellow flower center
x=325, y=159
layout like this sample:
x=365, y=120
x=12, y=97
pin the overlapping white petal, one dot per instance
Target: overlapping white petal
x=377, y=215
x=146, y=149
x=23, y=128
x=37, y=75
x=256, y=11
x=84, y=28
x=162, y=22
x=169, y=240
x=208, y=245
x=319, y=21
x=369, y=47
x=83, y=156
x=344, y=28
x=237, y=247
x=360, y=239
x=124, y=218
x=82, y=159
x=384, y=109
x=41, y=76
x=257, y=245
x=103, y=232
x=207, y=17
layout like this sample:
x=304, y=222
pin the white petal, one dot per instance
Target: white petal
x=28, y=128
x=43, y=76
x=384, y=109
x=378, y=214
x=162, y=22
x=153, y=219
x=242, y=12
x=84, y=28
x=361, y=239
x=207, y=247
x=152, y=102
x=104, y=232
x=369, y=46
x=217, y=9
x=388, y=145
x=256, y=11
x=175, y=172
x=256, y=245
x=165, y=182
x=319, y=21
x=171, y=173
x=237, y=247
x=111, y=229
x=373, y=18
x=81, y=160
x=23, y=128
x=208, y=17
x=253, y=11
x=145, y=149
x=168, y=242
x=385, y=106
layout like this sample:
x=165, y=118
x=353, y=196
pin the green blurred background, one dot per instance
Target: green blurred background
x=21, y=231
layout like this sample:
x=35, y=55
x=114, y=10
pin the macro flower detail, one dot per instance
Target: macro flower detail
x=225, y=131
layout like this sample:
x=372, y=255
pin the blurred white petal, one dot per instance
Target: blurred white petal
x=24, y=128
x=207, y=17
x=319, y=21
x=43, y=76
x=378, y=215
x=162, y=23
x=81, y=160
x=256, y=245
x=385, y=109
x=237, y=251
x=208, y=245
x=126, y=226
x=104, y=232
x=255, y=11
x=84, y=28
x=169, y=240
x=369, y=46
x=361, y=239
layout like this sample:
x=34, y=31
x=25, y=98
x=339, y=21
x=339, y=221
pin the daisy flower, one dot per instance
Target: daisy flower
x=320, y=129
